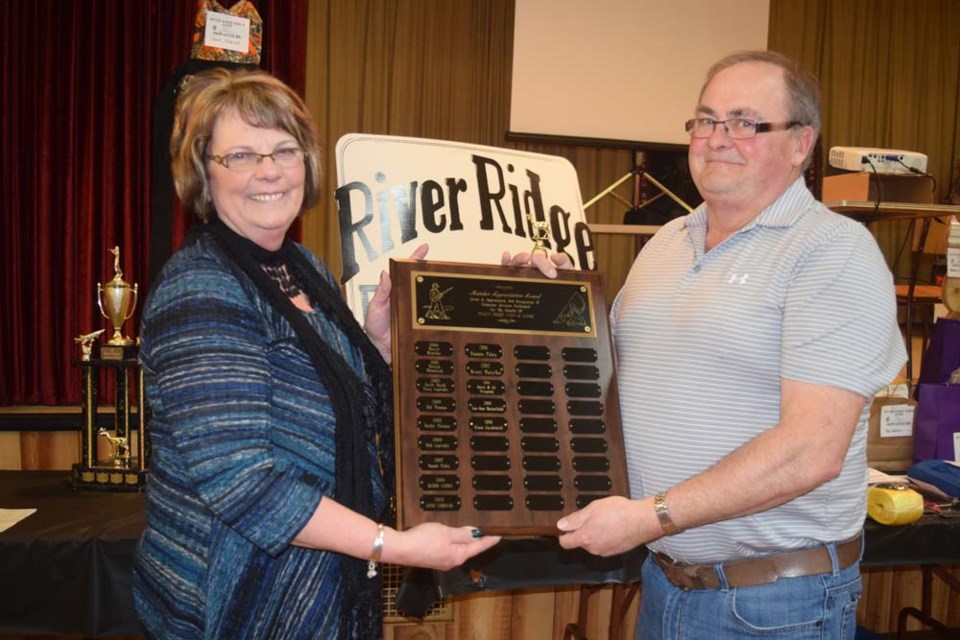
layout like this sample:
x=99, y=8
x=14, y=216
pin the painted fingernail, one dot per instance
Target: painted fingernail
x=476, y=533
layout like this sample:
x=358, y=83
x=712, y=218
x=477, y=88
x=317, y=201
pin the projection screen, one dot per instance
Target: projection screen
x=621, y=70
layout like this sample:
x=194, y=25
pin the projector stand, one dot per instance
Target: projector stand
x=638, y=174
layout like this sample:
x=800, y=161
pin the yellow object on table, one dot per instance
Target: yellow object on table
x=894, y=503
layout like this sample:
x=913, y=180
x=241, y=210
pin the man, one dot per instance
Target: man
x=750, y=337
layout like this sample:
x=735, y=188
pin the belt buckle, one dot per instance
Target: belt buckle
x=692, y=574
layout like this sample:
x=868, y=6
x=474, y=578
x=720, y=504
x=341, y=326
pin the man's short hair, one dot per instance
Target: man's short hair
x=803, y=90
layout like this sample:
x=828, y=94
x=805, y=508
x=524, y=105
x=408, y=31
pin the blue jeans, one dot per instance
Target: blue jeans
x=819, y=607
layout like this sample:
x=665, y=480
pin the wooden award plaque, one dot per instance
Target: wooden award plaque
x=505, y=396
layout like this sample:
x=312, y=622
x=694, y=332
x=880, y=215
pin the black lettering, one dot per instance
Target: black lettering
x=585, y=247
x=349, y=228
x=518, y=217
x=560, y=229
x=454, y=188
x=431, y=201
x=386, y=239
x=406, y=211
x=488, y=197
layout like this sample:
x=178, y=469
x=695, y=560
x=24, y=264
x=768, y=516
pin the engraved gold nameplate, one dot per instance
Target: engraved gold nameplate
x=506, y=405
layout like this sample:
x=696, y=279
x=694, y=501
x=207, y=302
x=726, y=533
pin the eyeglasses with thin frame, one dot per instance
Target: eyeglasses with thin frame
x=240, y=161
x=735, y=128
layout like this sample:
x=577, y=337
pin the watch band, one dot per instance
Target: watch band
x=663, y=515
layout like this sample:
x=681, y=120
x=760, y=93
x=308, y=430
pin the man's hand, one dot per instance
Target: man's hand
x=547, y=267
x=377, y=321
x=610, y=526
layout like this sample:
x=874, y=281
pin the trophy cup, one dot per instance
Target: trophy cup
x=125, y=469
x=117, y=300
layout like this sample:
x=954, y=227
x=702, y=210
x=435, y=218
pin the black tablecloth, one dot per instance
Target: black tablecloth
x=66, y=568
x=515, y=564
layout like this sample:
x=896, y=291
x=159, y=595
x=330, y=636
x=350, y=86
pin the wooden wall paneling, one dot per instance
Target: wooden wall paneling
x=49, y=450
x=565, y=608
x=10, y=450
x=907, y=592
x=416, y=631
x=887, y=591
x=532, y=615
x=482, y=616
x=627, y=610
x=945, y=604
x=873, y=611
x=598, y=613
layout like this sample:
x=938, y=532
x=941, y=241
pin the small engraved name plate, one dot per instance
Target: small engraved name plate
x=506, y=406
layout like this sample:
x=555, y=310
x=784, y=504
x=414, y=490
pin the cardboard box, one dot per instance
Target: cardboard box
x=891, y=187
x=866, y=185
x=888, y=453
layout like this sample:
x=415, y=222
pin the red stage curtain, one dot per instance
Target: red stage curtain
x=79, y=80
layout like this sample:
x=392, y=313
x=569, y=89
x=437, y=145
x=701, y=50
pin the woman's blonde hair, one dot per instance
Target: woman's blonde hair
x=261, y=100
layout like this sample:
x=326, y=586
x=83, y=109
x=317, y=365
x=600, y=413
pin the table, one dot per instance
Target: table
x=930, y=542
x=66, y=568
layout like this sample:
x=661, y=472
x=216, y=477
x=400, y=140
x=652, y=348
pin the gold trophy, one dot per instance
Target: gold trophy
x=117, y=300
x=540, y=233
x=86, y=344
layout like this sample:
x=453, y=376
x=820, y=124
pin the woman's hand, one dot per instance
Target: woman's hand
x=377, y=321
x=547, y=267
x=432, y=545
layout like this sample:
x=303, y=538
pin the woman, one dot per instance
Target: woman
x=271, y=410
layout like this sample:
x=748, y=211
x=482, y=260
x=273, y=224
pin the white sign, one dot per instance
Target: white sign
x=225, y=31
x=956, y=446
x=953, y=262
x=470, y=203
x=896, y=420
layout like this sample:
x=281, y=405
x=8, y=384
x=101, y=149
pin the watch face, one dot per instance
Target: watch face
x=951, y=294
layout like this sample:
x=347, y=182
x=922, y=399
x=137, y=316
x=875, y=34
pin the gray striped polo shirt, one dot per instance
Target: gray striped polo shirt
x=703, y=340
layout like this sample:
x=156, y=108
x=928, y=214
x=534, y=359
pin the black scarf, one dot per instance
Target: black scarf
x=363, y=408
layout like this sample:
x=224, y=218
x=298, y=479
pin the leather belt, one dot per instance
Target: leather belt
x=754, y=572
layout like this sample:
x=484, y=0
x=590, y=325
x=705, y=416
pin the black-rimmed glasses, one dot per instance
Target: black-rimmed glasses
x=735, y=128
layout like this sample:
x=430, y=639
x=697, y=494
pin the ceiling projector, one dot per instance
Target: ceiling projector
x=877, y=160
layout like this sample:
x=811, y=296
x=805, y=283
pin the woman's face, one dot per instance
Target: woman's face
x=261, y=202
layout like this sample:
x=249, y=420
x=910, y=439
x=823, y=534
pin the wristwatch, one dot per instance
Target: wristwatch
x=660, y=508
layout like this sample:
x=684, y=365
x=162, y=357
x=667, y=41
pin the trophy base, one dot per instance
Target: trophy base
x=116, y=352
x=107, y=478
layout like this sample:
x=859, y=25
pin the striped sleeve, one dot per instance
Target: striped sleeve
x=839, y=325
x=209, y=346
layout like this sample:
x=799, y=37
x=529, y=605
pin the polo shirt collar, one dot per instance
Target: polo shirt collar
x=782, y=212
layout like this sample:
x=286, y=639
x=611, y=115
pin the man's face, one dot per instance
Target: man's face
x=747, y=175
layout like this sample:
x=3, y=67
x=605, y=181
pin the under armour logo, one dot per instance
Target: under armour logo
x=738, y=278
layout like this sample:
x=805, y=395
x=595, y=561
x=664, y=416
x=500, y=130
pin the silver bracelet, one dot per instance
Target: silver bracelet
x=375, y=553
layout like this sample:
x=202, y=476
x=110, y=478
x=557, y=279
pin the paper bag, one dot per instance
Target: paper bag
x=886, y=450
x=936, y=421
x=942, y=356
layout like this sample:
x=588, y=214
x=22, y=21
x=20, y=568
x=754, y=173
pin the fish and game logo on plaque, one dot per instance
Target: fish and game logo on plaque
x=505, y=402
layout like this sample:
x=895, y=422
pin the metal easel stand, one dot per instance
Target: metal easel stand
x=638, y=174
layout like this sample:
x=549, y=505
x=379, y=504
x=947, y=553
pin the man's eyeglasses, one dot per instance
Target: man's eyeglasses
x=736, y=128
x=285, y=158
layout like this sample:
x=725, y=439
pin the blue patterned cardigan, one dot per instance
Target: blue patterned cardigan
x=242, y=437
